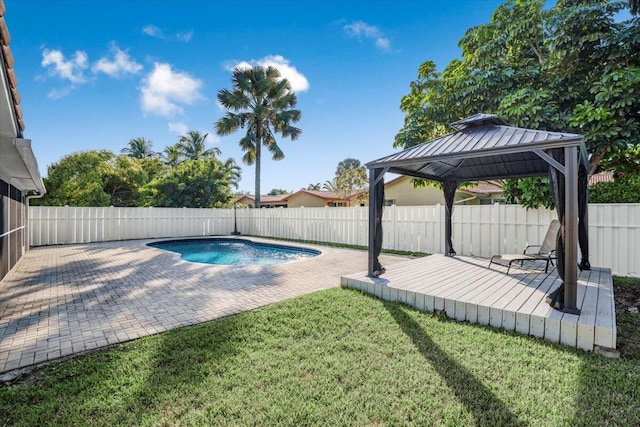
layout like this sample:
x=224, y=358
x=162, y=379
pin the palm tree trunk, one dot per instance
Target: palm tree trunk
x=258, y=147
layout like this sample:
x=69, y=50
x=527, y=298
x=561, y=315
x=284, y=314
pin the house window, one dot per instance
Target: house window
x=389, y=202
x=336, y=204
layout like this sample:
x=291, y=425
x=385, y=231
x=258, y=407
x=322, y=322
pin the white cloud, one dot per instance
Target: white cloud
x=299, y=82
x=153, y=31
x=164, y=91
x=59, y=93
x=71, y=70
x=179, y=128
x=362, y=30
x=120, y=64
x=184, y=37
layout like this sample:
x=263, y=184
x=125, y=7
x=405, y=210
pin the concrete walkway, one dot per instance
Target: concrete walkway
x=62, y=300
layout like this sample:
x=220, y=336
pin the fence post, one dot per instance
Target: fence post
x=495, y=229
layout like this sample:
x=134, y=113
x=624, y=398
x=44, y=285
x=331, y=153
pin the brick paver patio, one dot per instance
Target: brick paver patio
x=62, y=300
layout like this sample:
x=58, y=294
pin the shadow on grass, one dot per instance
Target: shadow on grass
x=485, y=406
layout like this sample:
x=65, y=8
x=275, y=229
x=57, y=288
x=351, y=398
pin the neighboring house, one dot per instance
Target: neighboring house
x=400, y=191
x=306, y=198
x=19, y=173
x=315, y=199
x=268, y=201
x=484, y=193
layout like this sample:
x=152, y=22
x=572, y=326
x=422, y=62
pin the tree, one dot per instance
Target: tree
x=277, y=192
x=314, y=187
x=139, y=148
x=172, y=155
x=348, y=163
x=330, y=185
x=204, y=183
x=260, y=101
x=124, y=180
x=77, y=180
x=98, y=178
x=192, y=146
x=571, y=68
x=351, y=177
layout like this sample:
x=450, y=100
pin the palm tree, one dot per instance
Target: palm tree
x=261, y=102
x=172, y=155
x=330, y=186
x=233, y=171
x=139, y=148
x=193, y=146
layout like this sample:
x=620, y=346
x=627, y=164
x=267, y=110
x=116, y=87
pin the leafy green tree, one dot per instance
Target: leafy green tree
x=262, y=102
x=570, y=68
x=277, y=192
x=172, y=155
x=625, y=162
x=348, y=163
x=139, y=148
x=123, y=180
x=624, y=189
x=202, y=183
x=98, y=178
x=314, y=187
x=77, y=180
x=192, y=146
x=351, y=177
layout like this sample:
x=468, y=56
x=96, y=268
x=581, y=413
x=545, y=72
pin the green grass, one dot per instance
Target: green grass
x=632, y=282
x=336, y=357
x=628, y=324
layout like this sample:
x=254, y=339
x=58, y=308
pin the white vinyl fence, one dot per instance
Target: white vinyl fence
x=614, y=229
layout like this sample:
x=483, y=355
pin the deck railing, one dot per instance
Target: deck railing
x=614, y=229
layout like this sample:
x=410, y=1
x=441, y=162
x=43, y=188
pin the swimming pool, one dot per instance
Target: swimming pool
x=223, y=251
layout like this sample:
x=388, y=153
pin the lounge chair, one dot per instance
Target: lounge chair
x=544, y=252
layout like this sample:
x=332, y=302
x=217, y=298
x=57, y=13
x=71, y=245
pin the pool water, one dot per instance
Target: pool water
x=234, y=251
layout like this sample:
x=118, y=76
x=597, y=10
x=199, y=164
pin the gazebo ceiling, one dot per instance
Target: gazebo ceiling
x=482, y=147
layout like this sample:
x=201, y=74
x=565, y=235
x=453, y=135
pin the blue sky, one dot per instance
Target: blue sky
x=94, y=74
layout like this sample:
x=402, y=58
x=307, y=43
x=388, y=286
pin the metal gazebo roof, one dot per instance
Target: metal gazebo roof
x=482, y=147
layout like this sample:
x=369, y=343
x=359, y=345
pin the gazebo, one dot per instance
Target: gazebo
x=485, y=147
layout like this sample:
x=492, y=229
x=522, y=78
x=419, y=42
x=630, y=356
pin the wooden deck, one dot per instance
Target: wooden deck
x=467, y=290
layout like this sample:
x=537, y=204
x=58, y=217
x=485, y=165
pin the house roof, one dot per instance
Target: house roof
x=483, y=147
x=266, y=198
x=327, y=195
x=18, y=165
x=481, y=187
x=601, y=177
x=484, y=187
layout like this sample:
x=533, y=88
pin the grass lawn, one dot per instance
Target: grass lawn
x=336, y=357
x=627, y=291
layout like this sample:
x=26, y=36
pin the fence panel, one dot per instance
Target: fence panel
x=614, y=229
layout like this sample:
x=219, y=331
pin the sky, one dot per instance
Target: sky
x=95, y=74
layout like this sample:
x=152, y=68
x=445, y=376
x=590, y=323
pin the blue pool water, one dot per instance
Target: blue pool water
x=233, y=251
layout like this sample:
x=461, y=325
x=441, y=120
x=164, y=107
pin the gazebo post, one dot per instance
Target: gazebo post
x=372, y=220
x=571, y=230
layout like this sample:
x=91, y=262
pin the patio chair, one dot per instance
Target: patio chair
x=544, y=252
